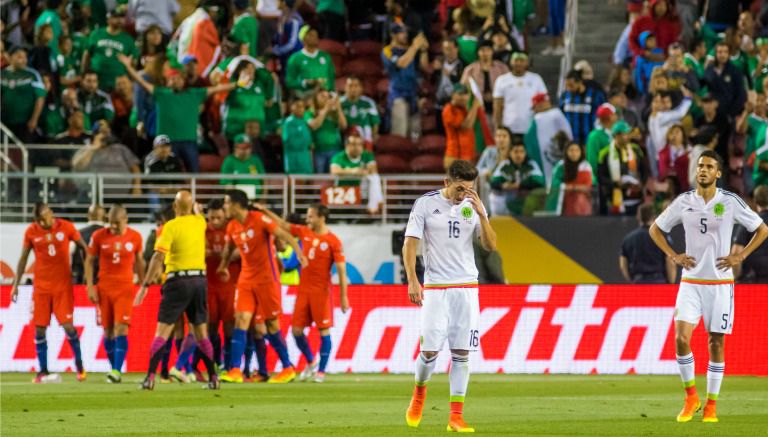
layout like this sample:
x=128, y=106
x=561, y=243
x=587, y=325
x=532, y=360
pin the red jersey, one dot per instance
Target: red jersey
x=215, y=239
x=51, y=246
x=116, y=254
x=322, y=251
x=253, y=239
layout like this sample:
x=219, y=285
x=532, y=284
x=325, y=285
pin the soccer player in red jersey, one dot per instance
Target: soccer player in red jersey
x=323, y=249
x=258, y=288
x=49, y=237
x=221, y=293
x=119, y=251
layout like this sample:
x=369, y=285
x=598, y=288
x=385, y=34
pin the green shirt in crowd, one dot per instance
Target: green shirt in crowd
x=178, y=112
x=597, y=140
x=103, y=48
x=68, y=65
x=697, y=65
x=361, y=113
x=760, y=176
x=302, y=66
x=334, y=6
x=98, y=12
x=20, y=89
x=95, y=106
x=251, y=165
x=755, y=133
x=467, y=48
x=247, y=103
x=245, y=30
x=327, y=138
x=297, y=141
x=344, y=161
x=50, y=16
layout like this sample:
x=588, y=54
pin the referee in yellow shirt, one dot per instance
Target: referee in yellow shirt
x=181, y=247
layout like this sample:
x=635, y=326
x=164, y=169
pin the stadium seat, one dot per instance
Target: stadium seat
x=432, y=144
x=395, y=144
x=338, y=62
x=428, y=124
x=210, y=163
x=334, y=48
x=340, y=83
x=382, y=87
x=221, y=144
x=363, y=68
x=365, y=48
x=389, y=164
x=427, y=164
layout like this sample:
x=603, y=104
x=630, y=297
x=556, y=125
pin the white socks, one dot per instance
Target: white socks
x=459, y=377
x=686, y=365
x=715, y=372
x=424, y=368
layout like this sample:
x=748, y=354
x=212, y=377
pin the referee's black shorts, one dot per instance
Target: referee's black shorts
x=186, y=294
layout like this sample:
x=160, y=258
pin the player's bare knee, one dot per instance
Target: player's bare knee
x=297, y=332
x=40, y=331
x=324, y=332
x=260, y=329
x=68, y=327
x=273, y=325
x=682, y=339
x=716, y=340
x=429, y=354
x=119, y=330
x=460, y=352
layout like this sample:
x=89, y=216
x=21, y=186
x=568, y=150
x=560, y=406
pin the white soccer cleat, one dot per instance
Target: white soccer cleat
x=319, y=377
x=51, y=378
x=178, y=375
x=309, y=372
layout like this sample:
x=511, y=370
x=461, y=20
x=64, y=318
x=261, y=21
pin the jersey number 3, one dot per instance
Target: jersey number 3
x=453, y=229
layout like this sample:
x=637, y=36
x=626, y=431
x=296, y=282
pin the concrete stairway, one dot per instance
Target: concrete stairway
x=599, y=26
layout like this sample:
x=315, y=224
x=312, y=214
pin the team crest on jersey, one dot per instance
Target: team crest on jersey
x=60, y=236
x=323, y=246
x=467, y=212
x=129, y=246
x=719, y=209
x=249, y=232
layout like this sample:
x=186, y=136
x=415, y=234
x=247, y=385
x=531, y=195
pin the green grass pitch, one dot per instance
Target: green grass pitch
x=374, y=405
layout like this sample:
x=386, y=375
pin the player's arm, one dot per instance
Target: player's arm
x=154, y=270
x=410, y=248
x=277, y=219
x=20, y=267
x=82, y=245
x=88, y=272
x=487, y=234
x=288, y=238
x=341, y=269
x=680, y=259
x=671, y=270
x=140, y=267
x=761, y=233
x=624, y=267
x=226, y=257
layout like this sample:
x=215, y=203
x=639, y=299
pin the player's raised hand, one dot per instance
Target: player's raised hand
x=140, y=296
x=726, y=262
x=683, y=260
x=474, y=198
x=92, y=295
x=223, y=273
x=415, y=293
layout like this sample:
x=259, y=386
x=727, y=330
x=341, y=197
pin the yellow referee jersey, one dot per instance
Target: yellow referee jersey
x=183, y=243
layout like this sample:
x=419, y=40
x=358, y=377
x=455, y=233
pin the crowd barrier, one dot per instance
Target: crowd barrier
x=605, y=329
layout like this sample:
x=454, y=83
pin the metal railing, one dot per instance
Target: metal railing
x=71, y=194
x=11, y=142
x=569, y=41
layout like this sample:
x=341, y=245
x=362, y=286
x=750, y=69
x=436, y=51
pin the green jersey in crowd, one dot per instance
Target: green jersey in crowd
x=597, y=140
x=103, y=48
x=247, y=103
x=96, y=106
x=756, y=126
x=528, y=175
x=20, y=90
x=303, y=66
x=297, y=141
x=178, y=112
x=335, y=6
x=245, y=30
x=50, y=16
x=68, y=65
x=467, y=48
x=760, y=174
x=327, y=138
x=252, y=165
x=363, y=114
x=344, y=161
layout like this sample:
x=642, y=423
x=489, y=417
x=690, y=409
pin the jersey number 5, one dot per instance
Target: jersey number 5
x=703, y=228
x=453, y=229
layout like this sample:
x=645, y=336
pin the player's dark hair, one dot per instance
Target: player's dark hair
x=516, y=140
x=574, y=75
x=714, y=155
x=694, y=43
x=761, y=196
x=322, y=210
x=239, y=197
x=215, y=204
x=355, y=77
x=646, y=212
x=90, y=72
x=38, y=210
x=461, y=170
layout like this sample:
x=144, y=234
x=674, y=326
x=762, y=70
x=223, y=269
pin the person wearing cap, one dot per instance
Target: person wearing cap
x=579, y=103
x=512, y=94
x=23, y=94
x=161, y=160
x=245, y=29
x=198, y=36
x=662, y=22
x=600, y=137
x=402, y=62
x=310, y=68
x=242, y=161
x=544, y=139
x=459, y=121
x=622, y=173
x=644, y=66
x=485, y=71
x=104, y=44
x=191, y=72
x=178, y=110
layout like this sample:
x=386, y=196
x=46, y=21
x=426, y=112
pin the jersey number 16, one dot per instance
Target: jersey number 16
x=453, y=229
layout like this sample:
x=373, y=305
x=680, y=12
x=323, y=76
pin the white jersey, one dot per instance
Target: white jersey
x=517, y=92
x=708, y=228
x=447, y=232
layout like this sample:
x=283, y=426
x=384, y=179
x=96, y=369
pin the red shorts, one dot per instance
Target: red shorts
x=313, y=307
x=61, y=304
x=116, y=304
x=221, y=306
x=262, y=300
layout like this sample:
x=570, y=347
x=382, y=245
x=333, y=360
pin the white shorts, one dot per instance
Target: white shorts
x=450, y=314
x=712, y=302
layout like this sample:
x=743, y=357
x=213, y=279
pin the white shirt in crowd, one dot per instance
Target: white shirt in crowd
x=269, y=8
x=148, y=12
x=708, y=228
x=548, y=124
x=517, y=92
x=446, y=232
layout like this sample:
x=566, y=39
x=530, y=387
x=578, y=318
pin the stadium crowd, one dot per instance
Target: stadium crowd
x=285, y=87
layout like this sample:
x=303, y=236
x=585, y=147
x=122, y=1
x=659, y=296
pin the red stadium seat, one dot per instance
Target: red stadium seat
x=428, y=124
x=427, y=164
x=394, y=144
x=338, y=63
x=363, y=68
x=382, y=87
x=340, y=84
x=365, y=48
x=432, y=144
x=334, y=48
x=389, y=164
x=210, y=163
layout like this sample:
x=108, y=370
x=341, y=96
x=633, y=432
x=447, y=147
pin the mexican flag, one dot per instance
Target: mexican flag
x=483, y=134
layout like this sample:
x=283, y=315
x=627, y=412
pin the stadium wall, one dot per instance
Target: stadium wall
x=606, y=329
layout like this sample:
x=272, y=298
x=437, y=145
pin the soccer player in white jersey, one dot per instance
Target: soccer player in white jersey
x=706, y=288
x=447, y=221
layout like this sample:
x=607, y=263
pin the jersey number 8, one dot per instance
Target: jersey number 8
x=51, y=250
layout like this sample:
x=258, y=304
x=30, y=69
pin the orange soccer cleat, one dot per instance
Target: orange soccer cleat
x=233, y=375
x=285, y=376
x=81, y=376
x=691, y=407
x=416, y=407
x=710, y=413
x=456, y=424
